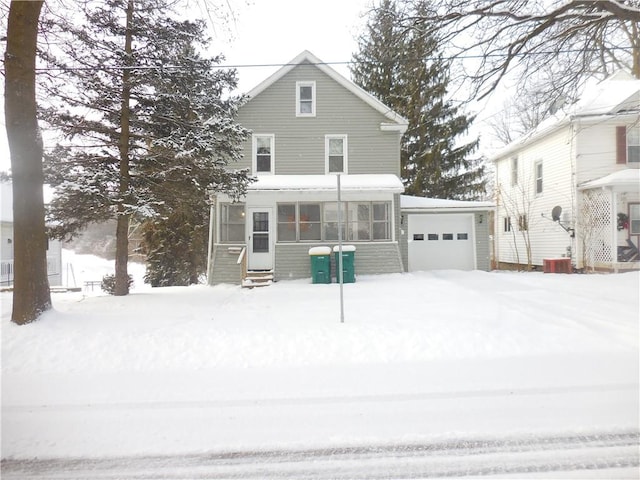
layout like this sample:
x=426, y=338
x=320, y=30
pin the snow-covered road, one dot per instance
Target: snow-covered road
x=594, y=455
x=434, y=374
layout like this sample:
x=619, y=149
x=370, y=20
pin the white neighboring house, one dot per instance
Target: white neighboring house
x=586, y=162
x=54, y=250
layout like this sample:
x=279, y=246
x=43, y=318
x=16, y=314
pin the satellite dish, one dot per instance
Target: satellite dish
x=556, y=212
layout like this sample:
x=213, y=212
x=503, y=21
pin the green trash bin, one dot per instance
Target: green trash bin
x=348, y=263
x=320, y=264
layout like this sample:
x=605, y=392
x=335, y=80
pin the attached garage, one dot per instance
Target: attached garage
x=445, y=234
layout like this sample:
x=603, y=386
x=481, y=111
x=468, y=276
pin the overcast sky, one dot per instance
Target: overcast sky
x=273, y=32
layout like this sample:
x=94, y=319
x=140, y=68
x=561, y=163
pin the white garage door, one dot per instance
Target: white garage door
x=438, y=242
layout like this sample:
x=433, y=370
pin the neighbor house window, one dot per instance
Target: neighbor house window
x=507, y=224
x=538, y=170
x=633, y=144
x=523, y=223
x=514, y=171
x=263, y=158
x=306, y=99
x=232, y=223
x=628, y=144
x=634, y=219
x=336, y=154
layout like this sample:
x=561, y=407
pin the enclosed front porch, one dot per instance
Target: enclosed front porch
x=608, y=224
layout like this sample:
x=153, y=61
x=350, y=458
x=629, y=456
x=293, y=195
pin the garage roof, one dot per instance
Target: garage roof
x=421, y=204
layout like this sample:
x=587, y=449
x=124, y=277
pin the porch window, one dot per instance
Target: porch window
x=634, y=219
x=359, y=221
x=305, y=99
x=381, y=221
x=538, y=170
x=330, y=224
x=336, y=154
x=315, y=222
x=263, y=147
x=287, y=222
x=232, y=222
x=310, y=224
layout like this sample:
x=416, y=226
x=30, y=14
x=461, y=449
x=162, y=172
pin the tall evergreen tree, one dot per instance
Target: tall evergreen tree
x=121, y=146
x=406, y=70
x=194, y=137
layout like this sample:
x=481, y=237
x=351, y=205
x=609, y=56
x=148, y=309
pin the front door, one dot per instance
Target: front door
x=260, y=239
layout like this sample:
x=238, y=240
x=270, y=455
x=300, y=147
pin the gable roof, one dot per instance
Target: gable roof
x=399, y=122
x=617, y=94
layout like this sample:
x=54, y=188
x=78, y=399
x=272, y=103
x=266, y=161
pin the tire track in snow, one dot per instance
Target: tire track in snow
x=453, y=458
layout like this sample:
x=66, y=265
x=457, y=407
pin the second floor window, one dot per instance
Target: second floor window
x=538, y=168
x=514, y=171
x=336, y=154
x=305, y=99
x=633, y=144
x=263, y=147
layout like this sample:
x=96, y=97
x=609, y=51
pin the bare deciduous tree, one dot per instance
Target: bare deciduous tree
x=572, y=39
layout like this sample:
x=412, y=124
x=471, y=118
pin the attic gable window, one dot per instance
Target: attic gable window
x=305, y=99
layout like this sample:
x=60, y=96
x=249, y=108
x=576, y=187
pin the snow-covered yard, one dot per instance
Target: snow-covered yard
x=422, y=357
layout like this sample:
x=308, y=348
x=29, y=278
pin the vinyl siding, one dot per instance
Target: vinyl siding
x=300, y=141
x=548, y=239
x=225, y=268
x=596, y=149
x=292, y=260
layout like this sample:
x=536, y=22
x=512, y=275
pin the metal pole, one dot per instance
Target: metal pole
x=339, y=265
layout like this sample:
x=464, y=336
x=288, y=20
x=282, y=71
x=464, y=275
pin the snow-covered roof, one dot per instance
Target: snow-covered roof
x=423, y=204
x=378, y=183
x=618, y=93
x=308, y=57
x=628, y=179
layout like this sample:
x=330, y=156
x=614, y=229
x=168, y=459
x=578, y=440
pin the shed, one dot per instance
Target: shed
x=439, y=234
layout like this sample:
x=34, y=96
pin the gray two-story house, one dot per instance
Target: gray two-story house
x=308, y=125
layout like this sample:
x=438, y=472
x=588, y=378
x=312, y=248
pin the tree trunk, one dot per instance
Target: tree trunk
x=122, y=229
x=31, y=295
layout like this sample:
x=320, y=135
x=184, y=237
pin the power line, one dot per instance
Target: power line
x=280, y=65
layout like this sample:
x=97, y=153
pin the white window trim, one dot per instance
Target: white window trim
x=311, y=84
x=541, y=178
x=513, y=172
x=345, y=152
x=254, y=148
